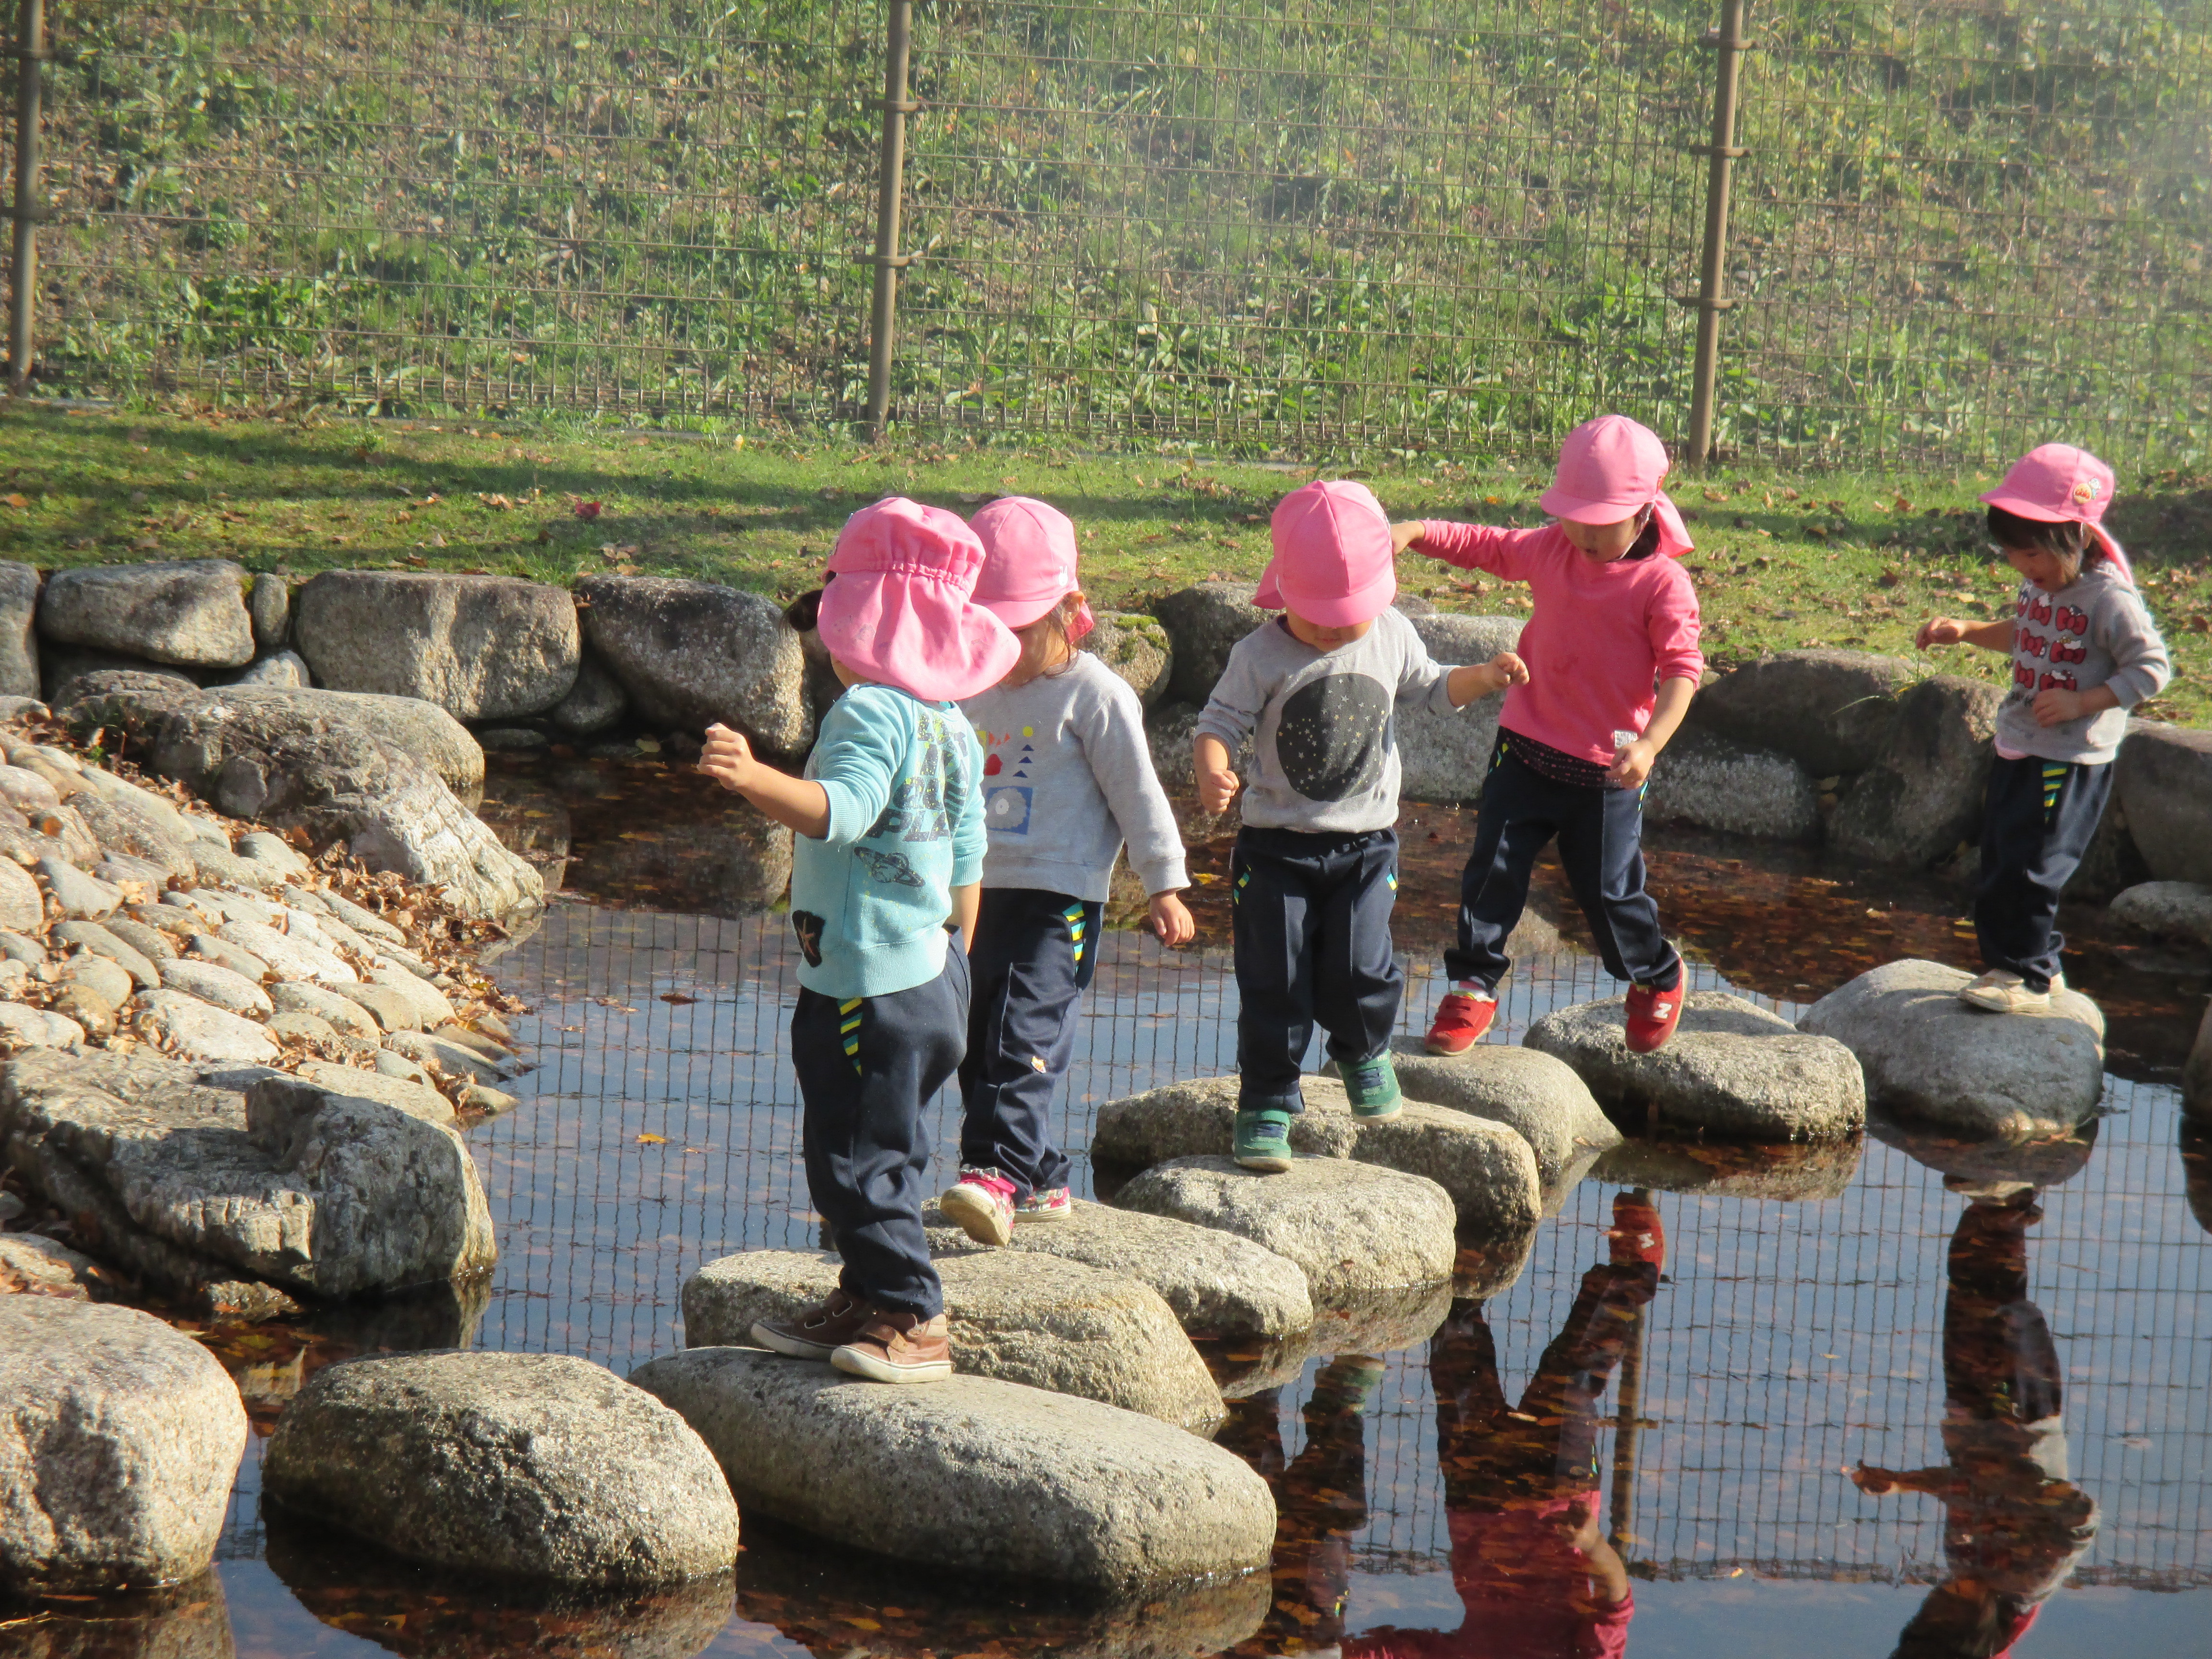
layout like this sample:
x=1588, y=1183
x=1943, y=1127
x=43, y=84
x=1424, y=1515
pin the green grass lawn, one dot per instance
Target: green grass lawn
x=1784, y=559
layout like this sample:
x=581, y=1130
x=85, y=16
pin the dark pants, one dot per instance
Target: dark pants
x=866, y=1068
x=1034, y=955
x=1601, y=833
x=1313, y=943
x=2038, y=820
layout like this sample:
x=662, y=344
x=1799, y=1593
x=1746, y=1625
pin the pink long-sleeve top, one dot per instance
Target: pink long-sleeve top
x=1601, y=637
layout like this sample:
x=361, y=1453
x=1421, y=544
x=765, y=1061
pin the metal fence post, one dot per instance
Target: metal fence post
x=891, y=186
x=23, y=283
x=1729, y=46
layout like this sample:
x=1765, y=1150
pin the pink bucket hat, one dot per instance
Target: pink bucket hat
x=2057, y=484
x=1029, y=562
x=1334, y=563
x=899, y=611
x=1610, y=469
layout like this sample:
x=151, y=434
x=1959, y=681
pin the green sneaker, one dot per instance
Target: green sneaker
x=1263, y=1140
x=1371, y=1085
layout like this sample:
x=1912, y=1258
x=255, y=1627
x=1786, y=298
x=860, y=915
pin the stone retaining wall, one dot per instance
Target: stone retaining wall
x=1862, y=751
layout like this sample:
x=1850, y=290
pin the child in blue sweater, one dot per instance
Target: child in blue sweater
x=889, y=844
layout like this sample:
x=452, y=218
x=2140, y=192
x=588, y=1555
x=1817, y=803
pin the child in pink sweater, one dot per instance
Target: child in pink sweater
x=1615, y=616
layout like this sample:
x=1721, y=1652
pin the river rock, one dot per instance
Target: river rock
x=1929, y=1057
x=190, y=611
x=1136, y=648
x=295, y=760
x=452, y=1059
x=305, y=996
x=481, y=648
x=595, y=703
x=1048, y=1322
x=1535, y=1095
x=1488, y=1169
x=118, y=1440
x=28, y=791
x=1217, y=1284
x=66, y=671
x=151, y=943
x=294, y=956
x=269, y=607
x=2170, y=909
x=91, y=936
x=2164, y=783
x=974, y=1473
x=415, y=1098
x=276, y=851
x=182, y=1024
x=690, y=654
x=1446, y=757
x=217, y=986
x=19, y=642
x=1830, y=711
x=76, y=895
x=31, y=1265
x=283, y=670
x=1356, y=1230
x=22, y=907
x=1714, y=782
x=37, y=1028
x=536, y=1466
x=1732, y=1070
x=424, y=1000
x=88, y=1008
x=392, y=1010
x=207, y=947
x=110, y=981
x=1204, y=622
x=1923, y=795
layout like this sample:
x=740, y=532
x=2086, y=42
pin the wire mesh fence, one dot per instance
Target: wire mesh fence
x=1283, y=227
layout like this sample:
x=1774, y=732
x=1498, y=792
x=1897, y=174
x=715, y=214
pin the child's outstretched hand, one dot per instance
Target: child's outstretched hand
x=1216, y=787
x=727, y=758
x=1509, y=669
x=1403, y=536
x=1940, y=630
x=1171, y=921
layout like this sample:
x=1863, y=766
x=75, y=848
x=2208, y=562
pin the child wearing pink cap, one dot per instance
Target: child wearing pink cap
x=2084, y=651
x=889, y=844
x=1614, y=614
x=1068, y=779
x=1315, y=872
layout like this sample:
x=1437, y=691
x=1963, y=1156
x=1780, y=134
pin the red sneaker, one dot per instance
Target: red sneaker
x=1652, y=1017
x=1462, y=1019
x=1636, y=1235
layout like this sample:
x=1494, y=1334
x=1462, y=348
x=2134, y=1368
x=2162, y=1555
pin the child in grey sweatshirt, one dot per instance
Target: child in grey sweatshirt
x=2084, y=651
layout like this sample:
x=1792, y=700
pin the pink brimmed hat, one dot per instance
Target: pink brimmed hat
x=901, y=612
x=1334, y=563
x=2057, y=484
x=1029, y=562
x=1611, y=469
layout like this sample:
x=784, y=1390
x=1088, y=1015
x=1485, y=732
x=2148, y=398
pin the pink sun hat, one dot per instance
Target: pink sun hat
x=1610, y=469
x=2058, y=484
x=1334, y=563
x=900, y=610
x=1029, y=562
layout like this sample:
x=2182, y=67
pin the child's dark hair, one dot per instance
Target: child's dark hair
x=805, y=611
x=1647, y=539
x=2067, y=540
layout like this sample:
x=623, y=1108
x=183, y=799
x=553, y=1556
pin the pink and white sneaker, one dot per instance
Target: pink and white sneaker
x=982, y=1204
x=1046, y=1204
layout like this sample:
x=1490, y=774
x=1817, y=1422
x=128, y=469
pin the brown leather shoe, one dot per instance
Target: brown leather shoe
x=898, y=1348
x=818, y=1333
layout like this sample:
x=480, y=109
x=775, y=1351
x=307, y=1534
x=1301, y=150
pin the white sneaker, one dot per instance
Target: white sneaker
x=2003, y=991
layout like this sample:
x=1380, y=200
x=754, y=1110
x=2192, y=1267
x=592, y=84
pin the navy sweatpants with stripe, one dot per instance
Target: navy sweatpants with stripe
x=866, y=1066
x=1312, y=935
x=2038, y=820
x=1034, y=955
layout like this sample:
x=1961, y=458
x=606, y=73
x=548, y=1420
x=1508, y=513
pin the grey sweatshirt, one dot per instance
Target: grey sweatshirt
x=1067, y=777
x=2094, y=633
x=1326, y=752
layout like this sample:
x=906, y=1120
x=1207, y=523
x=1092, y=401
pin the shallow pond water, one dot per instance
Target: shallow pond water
x=2034, y=1367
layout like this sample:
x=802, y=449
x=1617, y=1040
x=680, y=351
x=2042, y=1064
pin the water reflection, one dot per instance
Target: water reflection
x=190, y=1621
x=1796, y=1172
x=2013, y=1524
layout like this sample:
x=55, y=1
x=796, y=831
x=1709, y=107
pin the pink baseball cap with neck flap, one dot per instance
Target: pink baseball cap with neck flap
x=1611, y=469
x=1333, y=563
x=901, y=611
x=2058, y=484
x=1029, y=562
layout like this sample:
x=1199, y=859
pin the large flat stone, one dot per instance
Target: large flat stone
x=481, y=648
x=1929, y=1056
x=1488, y=1171
x=595, y=702
x=530, y=1466
x=1923, y=795
x=1535, y=1095
x=1714, y=782
x=2163, y=779
x=1357, y=1231
x=190, y=611
x=974, y=1473
x=1830, y=711
x=118, y=1440
x=691, y=653
x=1050, y=1323
x=1732, y=1069
x=1217, y=1285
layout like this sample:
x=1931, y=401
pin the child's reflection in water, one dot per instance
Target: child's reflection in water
x=2013, y=1524
x=1538, y=1578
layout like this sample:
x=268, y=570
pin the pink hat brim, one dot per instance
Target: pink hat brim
x=1580, y=510
x=1363, y=604
x=2030, y=509
x=947, y=657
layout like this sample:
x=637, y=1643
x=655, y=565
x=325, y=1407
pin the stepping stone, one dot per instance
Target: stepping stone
x=1929, y=1057
x=534, y=1465
x=119, y=1437
x=1358, y=1231
x=1731, y=1070
x=2169, y=909
x=1535, y=1095
x=1789, y=1172
x=1488, y=1170
x=1216, y=1284
x=1051, y=1324
x=975, y=1474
